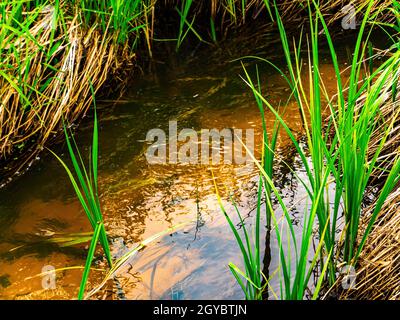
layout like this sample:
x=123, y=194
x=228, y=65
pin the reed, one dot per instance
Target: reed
x=255, y=281
x=345, y=157
x=183, y=13
x=295, y=269
x=250, y=280
x=355, y=120
x=85, y=183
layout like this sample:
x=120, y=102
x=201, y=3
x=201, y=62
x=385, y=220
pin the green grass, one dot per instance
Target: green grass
x=268, y=151
x=295, y=269
x=184, y=25
x=85, y=183
x=355, y=125
x=39, y=50
x=251, y=280
x=344, y=157
x=123, y=18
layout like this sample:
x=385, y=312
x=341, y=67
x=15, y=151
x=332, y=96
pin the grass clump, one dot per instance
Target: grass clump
x=48, y=58
x=340, y=151
x=85, y=183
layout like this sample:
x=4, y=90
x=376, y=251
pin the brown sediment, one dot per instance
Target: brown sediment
x=26, y=282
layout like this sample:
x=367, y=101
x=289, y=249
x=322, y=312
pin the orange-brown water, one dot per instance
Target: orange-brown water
x=139, y=200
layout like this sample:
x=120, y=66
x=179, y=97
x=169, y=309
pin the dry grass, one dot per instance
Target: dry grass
x=378, y=274
x=292, y=11
x=379, y=263
x=37, y=90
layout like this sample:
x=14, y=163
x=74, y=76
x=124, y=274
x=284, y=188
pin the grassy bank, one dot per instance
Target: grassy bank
x=51, y=51
x=354, y=148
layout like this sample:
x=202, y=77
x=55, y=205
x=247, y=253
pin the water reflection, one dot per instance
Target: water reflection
x=140, y=200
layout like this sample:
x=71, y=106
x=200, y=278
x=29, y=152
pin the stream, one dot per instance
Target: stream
x=140, y=199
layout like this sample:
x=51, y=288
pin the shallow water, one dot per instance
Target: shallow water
x=140, y=200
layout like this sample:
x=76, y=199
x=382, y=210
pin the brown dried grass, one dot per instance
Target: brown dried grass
x=378, y=272
x=82, y=57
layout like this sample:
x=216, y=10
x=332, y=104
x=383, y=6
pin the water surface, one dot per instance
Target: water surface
x=139, y=200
